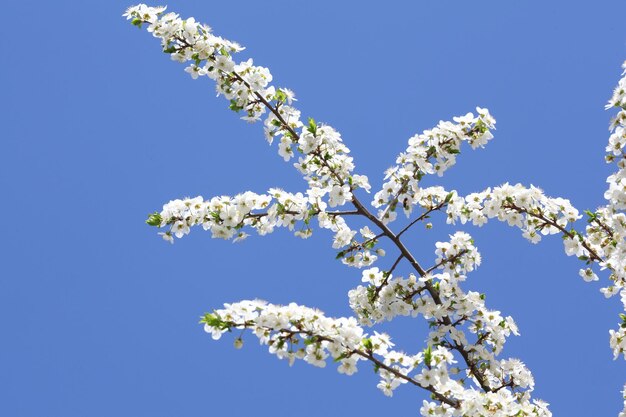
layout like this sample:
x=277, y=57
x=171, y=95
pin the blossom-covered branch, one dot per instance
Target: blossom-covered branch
x=433, y=151
x=325, y=165
x=463, y=330
x=296, y=332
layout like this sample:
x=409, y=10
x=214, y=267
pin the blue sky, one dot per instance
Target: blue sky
x=99, y=316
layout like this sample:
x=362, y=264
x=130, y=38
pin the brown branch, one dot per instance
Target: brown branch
x=551, y=222
x=387, y=275
x=447, y=260
x=370, y=356
x=422, y=217
x=434, y=293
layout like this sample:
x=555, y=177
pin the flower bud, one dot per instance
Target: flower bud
x=238, y=343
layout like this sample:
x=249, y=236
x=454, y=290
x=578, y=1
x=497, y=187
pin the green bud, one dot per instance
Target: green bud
x=154, y=219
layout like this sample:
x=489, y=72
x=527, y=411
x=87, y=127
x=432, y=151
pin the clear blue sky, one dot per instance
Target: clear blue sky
x=99, y=316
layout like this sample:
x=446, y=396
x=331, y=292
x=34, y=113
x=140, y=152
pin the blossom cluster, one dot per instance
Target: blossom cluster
x=385, y=296
x=494, y=404
x=536, y=215
x=324, y=162
x=618, y=337
x=452, y=312
x=228, y=217
x=529, y=209
x=297, y=332
x=433, y=151
x=526, y=208
x=294, y=332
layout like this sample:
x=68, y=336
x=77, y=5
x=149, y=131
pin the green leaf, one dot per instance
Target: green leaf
x=310, y=340
x=592, y=216
x=213, y=320
x=234, y=106
x=340, y=357
x=449, y=197
x=428, y=356
x=280, y=96
x=154, y=219
x=312, y=126
x=137, y=22
x=205, y=319
x=367, y=343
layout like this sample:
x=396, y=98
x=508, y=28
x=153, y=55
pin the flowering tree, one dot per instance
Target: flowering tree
x=460, y=364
